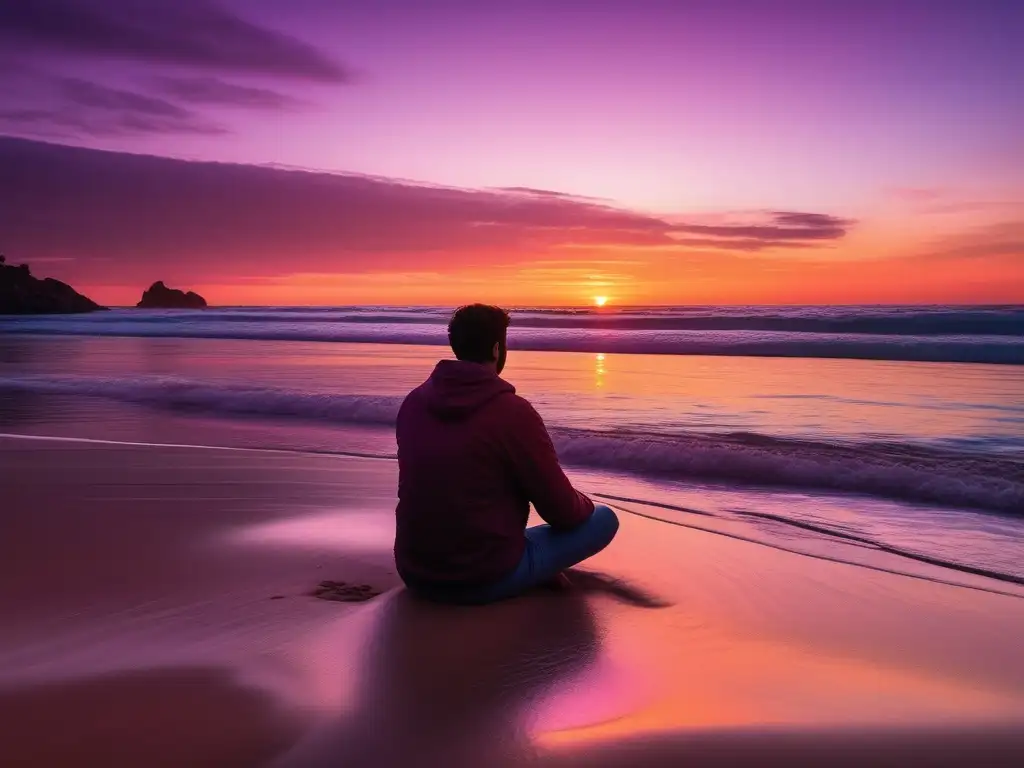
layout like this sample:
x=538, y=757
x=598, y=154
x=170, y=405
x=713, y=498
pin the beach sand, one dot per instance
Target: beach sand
x=158, y=610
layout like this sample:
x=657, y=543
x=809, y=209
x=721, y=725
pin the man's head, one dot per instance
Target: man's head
x=477, y=333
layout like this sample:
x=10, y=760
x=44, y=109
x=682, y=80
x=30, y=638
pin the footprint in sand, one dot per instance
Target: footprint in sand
x=341, y=592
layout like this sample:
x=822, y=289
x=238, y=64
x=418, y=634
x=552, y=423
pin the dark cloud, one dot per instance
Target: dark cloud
x=64, y=124
x=189, y=221
x=782, y=228
x=212, y=91
x=195, y=33
x=45, y=95
x=88, y=108
x=41, y=122
x=808, y=220
x=96, y=96
x=180, y=219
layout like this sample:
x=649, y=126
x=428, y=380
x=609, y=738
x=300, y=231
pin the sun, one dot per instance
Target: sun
x=600, y=300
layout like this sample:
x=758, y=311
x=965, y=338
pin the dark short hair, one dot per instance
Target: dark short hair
x=475, y=329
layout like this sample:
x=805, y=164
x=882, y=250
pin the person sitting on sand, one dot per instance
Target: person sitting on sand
x=472, y=456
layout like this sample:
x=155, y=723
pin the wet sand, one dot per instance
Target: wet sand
x=158, y=610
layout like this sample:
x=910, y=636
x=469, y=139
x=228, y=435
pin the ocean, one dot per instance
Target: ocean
x=884, y=437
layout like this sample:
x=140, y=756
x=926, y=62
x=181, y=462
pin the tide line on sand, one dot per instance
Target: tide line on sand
x=875, y=545
x=879, y=546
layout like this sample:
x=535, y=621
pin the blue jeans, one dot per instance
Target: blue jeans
x=549, y=551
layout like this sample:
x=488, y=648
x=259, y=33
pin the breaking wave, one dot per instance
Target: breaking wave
x=890, y=470
x=928, y=334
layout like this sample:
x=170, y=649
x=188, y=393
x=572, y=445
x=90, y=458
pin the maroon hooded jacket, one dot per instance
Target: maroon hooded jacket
x=472, y=456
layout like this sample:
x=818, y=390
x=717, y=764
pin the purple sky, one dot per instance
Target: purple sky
x=700, y=110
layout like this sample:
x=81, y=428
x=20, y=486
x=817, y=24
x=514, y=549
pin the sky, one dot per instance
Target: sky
x=526, y=153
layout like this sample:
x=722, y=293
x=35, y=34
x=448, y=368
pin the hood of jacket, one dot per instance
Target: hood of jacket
x=456, y=388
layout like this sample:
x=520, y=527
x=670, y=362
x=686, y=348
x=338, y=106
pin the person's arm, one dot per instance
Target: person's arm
x=536, y=466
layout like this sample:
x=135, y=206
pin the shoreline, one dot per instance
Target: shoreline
x=980, y=579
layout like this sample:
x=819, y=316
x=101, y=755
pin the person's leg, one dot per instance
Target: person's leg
x=555, y=550
x=549, y=551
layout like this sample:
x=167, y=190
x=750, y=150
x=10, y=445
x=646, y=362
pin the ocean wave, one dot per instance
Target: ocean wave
x=398, y=328
x=830, y=532
x=175, y=393
x=890, y=470
x=919, y=321
x=896, y=471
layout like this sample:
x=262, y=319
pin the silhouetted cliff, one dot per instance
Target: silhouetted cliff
x=23, y=294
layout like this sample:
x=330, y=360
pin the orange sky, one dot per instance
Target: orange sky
x=911, y=273
x=243, y=234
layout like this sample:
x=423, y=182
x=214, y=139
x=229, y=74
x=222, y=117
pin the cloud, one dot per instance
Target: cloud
x=546, y=193
x=918, y=194
x=1002, y=241
x=66, y=124
x=534, y=191
x=176, y=218
x=743, y=244
x=212, y=91
x=83, y=107
x=781, y=228
x=193, y=33
x=943, y=201
x=96, y=96
x=819, y=222
x=160, y=218
x=46, y=45
x=975, y=206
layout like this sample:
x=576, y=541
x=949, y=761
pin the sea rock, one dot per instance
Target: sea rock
x=23, y=294
x=159, y=296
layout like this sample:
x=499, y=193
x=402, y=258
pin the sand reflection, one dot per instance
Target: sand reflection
x=343, y=531
x=443, y=685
